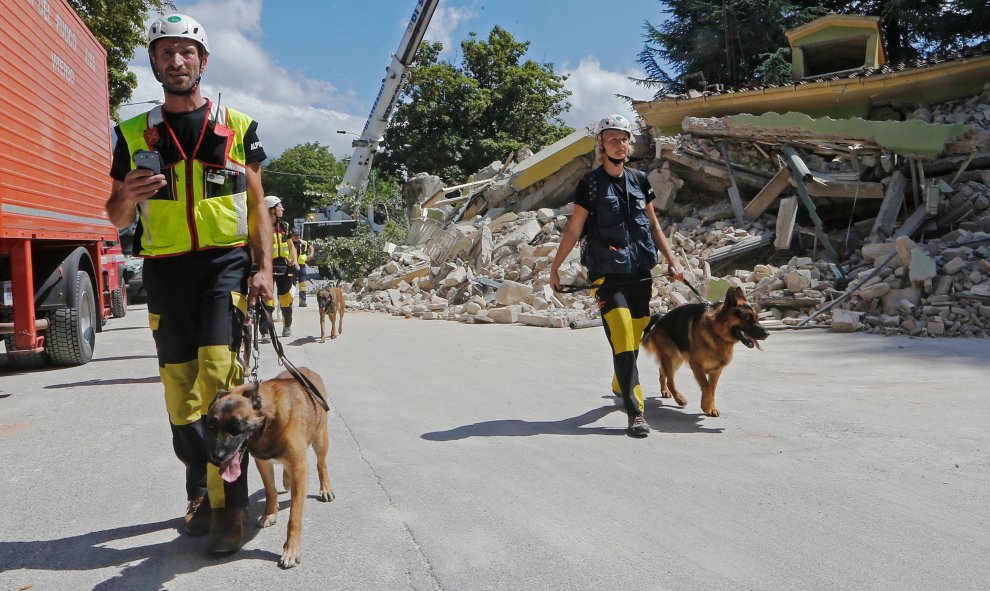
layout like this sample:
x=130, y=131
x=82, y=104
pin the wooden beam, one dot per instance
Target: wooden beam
x=767, y=195
x=786, y=218
x=913, y=223
x=798, y=172
x=890, y=207
x=844, y=189
x=733, y=191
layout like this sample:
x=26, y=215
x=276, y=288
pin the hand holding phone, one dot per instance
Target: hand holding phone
x=148, y=160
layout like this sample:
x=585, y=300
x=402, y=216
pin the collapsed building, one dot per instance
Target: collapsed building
x=856, y=198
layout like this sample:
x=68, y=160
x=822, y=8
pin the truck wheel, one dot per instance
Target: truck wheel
x=118, y=299
x=22, y=360
x=72, y=331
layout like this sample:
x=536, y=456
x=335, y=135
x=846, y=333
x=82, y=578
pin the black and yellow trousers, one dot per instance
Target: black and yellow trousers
x=196, y=306
x=285, y=277
x=624, y=303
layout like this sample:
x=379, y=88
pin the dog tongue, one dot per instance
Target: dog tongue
x=231, y=469
x=757, y=343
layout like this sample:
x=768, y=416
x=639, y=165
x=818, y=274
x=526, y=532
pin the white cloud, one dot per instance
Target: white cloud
x=593, y=91
x=290, y=109
x=445, y=21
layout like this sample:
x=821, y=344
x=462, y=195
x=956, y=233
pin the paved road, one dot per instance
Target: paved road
x=490, y=457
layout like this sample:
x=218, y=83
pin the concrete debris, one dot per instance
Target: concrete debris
x=912, y=235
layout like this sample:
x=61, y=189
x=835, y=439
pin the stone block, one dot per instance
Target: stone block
x=506, y=315
x=511, y=292
x=954, y=266
x=874, y=291
x=922, y=266
x=845, y=320
x=798, y=281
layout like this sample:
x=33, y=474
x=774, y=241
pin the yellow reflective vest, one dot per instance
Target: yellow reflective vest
x=204, y=204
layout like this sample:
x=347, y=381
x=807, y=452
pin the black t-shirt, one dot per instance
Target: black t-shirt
x=584, y=197
x=187, y=128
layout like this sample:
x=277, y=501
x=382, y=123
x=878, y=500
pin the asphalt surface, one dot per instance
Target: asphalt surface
x=492, y=457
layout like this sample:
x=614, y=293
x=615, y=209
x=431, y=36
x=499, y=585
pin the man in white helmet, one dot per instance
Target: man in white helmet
x=202, y=224
x=613, y=214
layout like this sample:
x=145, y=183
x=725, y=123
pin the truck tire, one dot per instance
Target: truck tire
x=72, y=331
x=118, y=299
x=21, y=360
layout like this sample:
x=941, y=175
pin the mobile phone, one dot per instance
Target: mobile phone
x=148, y=160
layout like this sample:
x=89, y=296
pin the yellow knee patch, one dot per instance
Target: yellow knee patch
x=622, y=330
x=191, y=386
x=285, y=300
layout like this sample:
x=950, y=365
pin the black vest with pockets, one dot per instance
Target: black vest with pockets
x=617, y=230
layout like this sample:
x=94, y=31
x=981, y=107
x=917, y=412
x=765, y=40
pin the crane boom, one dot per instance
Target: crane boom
x=358, y=170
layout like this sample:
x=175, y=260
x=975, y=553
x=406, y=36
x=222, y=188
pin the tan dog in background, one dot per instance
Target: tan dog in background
x=277, y=421
x=331, y=303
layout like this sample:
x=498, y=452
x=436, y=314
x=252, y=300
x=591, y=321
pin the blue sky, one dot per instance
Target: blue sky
x=306, y=68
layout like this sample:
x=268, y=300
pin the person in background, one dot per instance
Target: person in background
x=284, y=265
x=613, y=213
x=304, y=252
x=201, y=223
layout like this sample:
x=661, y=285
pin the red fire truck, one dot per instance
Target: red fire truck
x=61, y=265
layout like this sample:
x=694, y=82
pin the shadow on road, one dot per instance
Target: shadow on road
x=147, y=566
x=662, y=419
x=116, y=382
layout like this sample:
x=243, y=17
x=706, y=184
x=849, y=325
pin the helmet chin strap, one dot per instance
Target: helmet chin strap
x=616, y=161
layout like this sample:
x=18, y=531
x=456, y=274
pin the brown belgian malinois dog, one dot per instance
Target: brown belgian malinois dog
x=331, y=303
x=277, y=421
x=703, y=337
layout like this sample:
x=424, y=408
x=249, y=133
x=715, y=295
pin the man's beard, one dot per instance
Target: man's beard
x=184, y=90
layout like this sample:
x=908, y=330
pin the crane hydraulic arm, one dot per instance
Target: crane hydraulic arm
x=358, y=170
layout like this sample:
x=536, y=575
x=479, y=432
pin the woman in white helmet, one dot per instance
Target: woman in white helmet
x=284, y=265
x=612, y=212
x=202, y=223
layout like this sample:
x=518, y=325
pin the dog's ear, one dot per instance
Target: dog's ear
x=255, y=395
x=220, y=394
x=734, y=297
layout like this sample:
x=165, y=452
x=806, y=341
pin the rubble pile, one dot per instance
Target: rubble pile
x=912, y=237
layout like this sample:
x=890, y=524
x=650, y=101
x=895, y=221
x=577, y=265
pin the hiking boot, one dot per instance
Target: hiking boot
x=638, y=426
x=226, y=530
x=286, y=331
x=197, y=518
x=302, y=304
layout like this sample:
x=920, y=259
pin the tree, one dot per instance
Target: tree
x=737, y=41
x=455, y=120
x=304, y=177
x=119, y=26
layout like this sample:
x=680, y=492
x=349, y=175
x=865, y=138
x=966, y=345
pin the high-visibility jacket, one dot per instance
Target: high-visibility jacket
x=302, y=252
x=204, y=204
x=280, y=245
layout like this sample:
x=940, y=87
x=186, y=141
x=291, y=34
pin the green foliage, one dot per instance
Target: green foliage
x=119, y=26
x=355, y=257
x=737, y=41
x=304, y=177
x=455, y=120
x=723, y=40
x=775, y=67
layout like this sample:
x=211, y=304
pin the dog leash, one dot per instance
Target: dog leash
x=570, y=288
x=697, y=293
x=306, y=383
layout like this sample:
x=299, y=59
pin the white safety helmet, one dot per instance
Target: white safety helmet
x=178, y=25
x=272, y=201
x=614, y=122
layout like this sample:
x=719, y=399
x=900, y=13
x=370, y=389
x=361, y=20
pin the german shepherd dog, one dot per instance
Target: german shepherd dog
x=331, y=303
x=703, y=337
x=277, y=421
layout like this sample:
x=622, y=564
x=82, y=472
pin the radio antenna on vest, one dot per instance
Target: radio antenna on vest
x=216, y=113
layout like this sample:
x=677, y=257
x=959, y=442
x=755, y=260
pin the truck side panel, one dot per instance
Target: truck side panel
x=54, y=125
